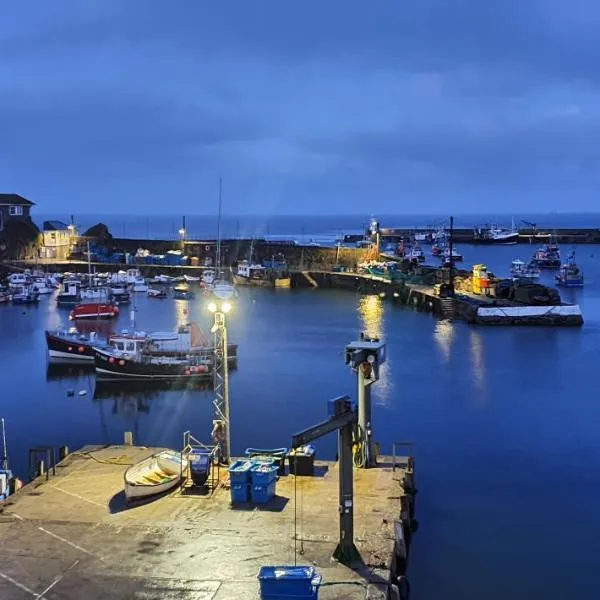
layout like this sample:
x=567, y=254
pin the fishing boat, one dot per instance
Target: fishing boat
x=456, y=255
x=520, y=270
x=183, y=293
x=119, y=295
x=495, y=234
x=154, y=475
x=154, y=293
x=414, y=253
x=161, y=280
x=570, y=274
x=71, y=345
x=25, y=295
x=94, y=310
x=43, y=286
x=191, y=279
x=18, y=280
x=208, y=277
x=261, y=275
x=70, y=293
x=5, y=295
x=547, y=257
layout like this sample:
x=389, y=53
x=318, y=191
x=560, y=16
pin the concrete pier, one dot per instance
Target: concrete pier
x=74, y=537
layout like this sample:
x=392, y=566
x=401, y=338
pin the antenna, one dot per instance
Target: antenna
x=218, y=257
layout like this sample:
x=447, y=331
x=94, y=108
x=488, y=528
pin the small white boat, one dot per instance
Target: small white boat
x=191, y=279
x=154, y=475
x=139, y=285
x=153, y=293
x=519, y=270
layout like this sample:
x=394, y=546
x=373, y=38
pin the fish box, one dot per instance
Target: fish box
x=240, y=493
x=279, y=583
x=263, y=493
x=263, y=473
x=239, y=471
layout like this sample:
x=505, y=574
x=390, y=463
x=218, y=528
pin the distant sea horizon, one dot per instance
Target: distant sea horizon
x=303, y=227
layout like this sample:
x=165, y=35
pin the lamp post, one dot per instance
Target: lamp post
x=221, y=431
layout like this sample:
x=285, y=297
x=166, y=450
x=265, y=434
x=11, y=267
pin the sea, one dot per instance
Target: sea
x=504, y=421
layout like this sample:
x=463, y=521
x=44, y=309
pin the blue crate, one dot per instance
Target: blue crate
x=239, y=471
x=240, y=493
x=279, y=583
x=263, y=473
x=262, y=493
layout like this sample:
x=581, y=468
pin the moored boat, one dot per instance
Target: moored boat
x=191, y=279
x=570, y=274
x=494, y=234
x=183, y=293
x=154, y=475
x=520, y=270
x=261, y=275
x=547, y=257
x=456, y=255
x=94, y=310
x=25, y=295
x=70, y=294
x=154, y=293
x=71, y=345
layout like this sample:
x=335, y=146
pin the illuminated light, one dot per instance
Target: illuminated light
x=226, y=307
x=212, y=307
x=396, y=295
x=182, y=232
x=70, y=348
x=382, y=294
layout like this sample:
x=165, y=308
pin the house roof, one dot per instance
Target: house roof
x=14, y=200
x=55, y=226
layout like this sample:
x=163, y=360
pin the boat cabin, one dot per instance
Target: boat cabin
x=251, y=271
x=126, y=344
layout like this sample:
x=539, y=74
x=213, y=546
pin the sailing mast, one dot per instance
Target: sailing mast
x=4, y=462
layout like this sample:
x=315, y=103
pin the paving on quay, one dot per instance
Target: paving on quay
x=73, y=536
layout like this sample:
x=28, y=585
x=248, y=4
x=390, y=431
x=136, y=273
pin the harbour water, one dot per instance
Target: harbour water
x=504, y=420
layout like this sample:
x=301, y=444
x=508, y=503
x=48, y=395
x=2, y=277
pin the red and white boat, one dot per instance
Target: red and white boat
x=94, y=310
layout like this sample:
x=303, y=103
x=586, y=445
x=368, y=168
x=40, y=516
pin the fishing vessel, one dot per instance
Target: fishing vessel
x=70, y=293
x=570, y=274
x=70, y=345
x=5, y=295
x=495, y=234
x=191, y=279
x=119, y=295
x=273, y=274
x=94, y=310
x=456, y=255
x=25, y=295
x=547, y=257
x=520, y=270
x=154, y=475
x=183, y=293
x=154, y=293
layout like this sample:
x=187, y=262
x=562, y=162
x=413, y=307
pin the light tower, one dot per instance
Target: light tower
x=221, y=432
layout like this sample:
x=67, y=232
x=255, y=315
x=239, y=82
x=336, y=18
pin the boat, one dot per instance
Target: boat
x=25, y=295
x=495, y=234
x=414, y=253
x=18, y=280
x=43, y=286
x=139, y=284
x=437, y=249
x=183, y=293
x=570, y=274
x=71, y=345
x=94, y=310
x=94, y=293
x=153, y=293
x=5, y=295
x=223, y=290
x=191, y=279
x=273, y=274
x=8, y=482
x=547, y=257
x=520, y=270
x=70, y=293
x=119, y=295
x=154, y=475
x=208, y=277
x=456, y=255
x=161, y=280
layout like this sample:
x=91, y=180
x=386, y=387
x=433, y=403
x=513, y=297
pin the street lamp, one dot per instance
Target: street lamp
x=221, y=432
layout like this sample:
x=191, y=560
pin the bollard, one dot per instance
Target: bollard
x=63, y=452
x=41, y=468
x=129, y=438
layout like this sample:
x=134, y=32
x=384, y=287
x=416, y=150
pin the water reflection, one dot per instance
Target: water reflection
x=444, y=336
x=478, y=365
x=57, y=371
x=371, y=312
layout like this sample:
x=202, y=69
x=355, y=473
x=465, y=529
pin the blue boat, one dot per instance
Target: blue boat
x=570, y=275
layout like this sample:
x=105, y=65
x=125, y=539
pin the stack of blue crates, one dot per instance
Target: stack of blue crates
x=283, y=583
x=264, y=481
x=239, y=477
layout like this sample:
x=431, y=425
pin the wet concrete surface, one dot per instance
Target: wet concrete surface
x=74, y=537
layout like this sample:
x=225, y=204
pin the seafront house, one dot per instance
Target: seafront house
x=56, y=240
x=14, y=208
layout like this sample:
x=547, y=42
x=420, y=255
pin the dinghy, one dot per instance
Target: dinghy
x=154, y=475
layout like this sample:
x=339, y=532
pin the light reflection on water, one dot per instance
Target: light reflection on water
x=371, y=310
x=478, y=366
x=444, y=336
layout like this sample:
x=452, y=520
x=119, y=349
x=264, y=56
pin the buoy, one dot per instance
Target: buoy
x=82, y=393
x=70, y=393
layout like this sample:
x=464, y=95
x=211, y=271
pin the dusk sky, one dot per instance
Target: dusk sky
x=138, y=106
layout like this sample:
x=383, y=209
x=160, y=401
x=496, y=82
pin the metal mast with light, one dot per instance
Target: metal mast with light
x=221, y=431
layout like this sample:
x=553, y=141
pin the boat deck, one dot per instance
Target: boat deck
x=74, y=537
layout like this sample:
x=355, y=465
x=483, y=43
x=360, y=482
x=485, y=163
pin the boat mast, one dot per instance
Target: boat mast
x=218, y=257
x=5, y=453
x=89, y=264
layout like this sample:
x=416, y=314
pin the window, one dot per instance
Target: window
x=15, y=211
x=130, y=346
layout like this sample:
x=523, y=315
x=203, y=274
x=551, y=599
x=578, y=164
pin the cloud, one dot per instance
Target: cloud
x=298, y=104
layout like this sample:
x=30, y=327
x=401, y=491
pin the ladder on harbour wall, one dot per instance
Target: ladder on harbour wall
x=448, y=308
x=310, y=278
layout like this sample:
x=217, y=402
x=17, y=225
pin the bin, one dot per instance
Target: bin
x=262, y=493
x=199, y=460
x=240, y=493
x=239, y=471
x=302, y=461
x=263, y=473
x=278, y=583
x=275, y=455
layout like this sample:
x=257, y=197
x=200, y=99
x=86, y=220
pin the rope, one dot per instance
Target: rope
x=117, y=460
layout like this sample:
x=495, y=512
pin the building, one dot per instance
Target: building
x=56, y=240
x=14, y=208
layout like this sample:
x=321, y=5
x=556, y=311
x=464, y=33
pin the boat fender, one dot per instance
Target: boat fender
x=81, y=348
x=122, y=362
x=111, y=360
x=187, y=371
x=70, y=348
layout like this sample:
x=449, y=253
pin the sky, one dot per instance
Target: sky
x=387, y=106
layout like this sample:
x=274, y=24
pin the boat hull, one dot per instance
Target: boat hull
x=124, y=368
x=69, y=349
x=94, y=311
x=154, y=475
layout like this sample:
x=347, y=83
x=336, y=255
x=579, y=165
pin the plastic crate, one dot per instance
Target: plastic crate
x=300, y=583
x=262, y=493
x=240, y=493
x=263, y=473
x=239, y=471
x=274, y=455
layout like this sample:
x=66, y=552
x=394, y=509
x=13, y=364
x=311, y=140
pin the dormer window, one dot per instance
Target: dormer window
x=15, y=211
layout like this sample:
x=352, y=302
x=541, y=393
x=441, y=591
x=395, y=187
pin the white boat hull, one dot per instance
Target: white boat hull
x=71, y=356
x=154, y=475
